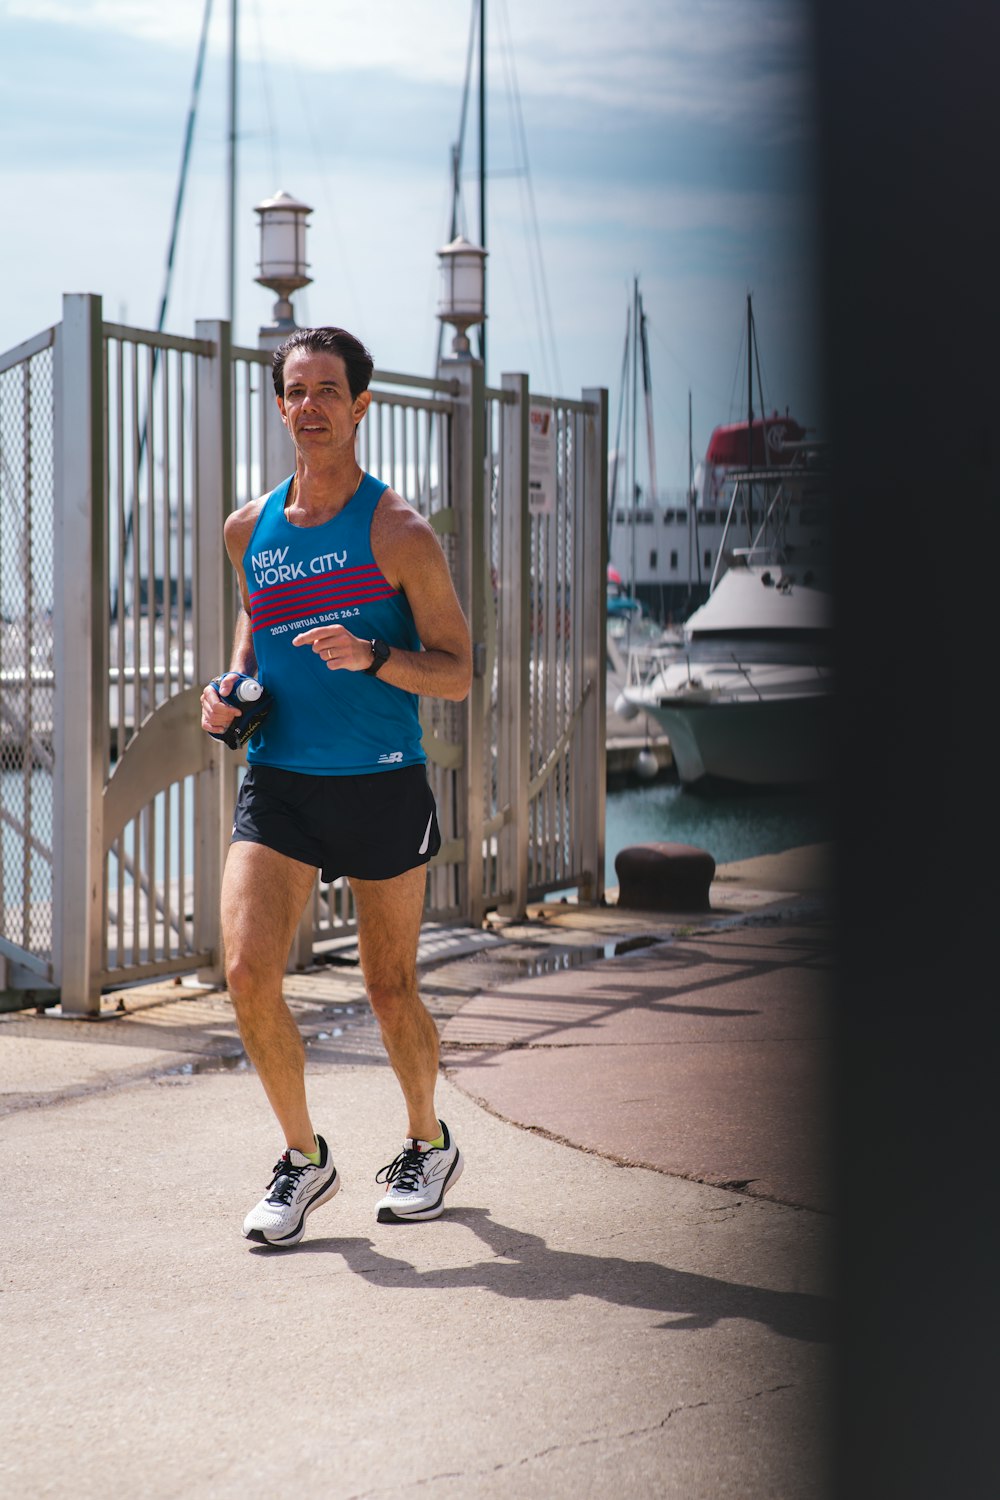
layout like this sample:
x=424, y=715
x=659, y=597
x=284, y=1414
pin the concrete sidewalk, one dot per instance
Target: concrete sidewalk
x=596, y=1309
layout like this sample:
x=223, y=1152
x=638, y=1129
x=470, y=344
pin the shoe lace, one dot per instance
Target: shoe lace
x=406, y=1171
x=284, y=1182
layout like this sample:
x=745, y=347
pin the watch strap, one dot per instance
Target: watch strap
x=380, y=655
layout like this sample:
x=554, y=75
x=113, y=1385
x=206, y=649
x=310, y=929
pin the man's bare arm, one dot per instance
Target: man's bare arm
x=410, y=557
x=216, y=716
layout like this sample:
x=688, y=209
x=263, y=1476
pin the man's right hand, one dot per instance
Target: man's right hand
x=217, y=716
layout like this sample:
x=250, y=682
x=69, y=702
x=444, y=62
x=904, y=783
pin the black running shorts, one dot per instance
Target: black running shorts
x=372, y=827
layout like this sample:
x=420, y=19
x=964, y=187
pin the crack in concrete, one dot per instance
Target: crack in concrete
x=589, y=1442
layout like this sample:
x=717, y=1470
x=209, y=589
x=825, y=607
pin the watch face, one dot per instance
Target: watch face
x=380, y=655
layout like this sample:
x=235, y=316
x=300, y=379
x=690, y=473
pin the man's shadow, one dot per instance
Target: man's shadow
x=523, y=1266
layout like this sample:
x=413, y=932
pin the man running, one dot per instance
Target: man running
x=348, y=615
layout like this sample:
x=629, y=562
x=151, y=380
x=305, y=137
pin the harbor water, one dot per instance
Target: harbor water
x=731, y=825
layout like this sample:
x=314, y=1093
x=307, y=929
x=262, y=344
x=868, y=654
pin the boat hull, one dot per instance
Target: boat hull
x=782, y=742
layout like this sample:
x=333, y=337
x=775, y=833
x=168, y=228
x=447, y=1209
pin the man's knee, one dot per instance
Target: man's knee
x=250, y=974
x=393, y=996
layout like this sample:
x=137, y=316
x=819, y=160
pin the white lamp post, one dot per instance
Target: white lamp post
x=462, y=300
x=283, y=265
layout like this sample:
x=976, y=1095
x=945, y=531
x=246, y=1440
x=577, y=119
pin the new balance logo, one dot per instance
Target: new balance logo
x=432, y=1170
x=394, y=758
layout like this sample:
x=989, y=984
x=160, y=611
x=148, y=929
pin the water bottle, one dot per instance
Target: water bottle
x=254, y=702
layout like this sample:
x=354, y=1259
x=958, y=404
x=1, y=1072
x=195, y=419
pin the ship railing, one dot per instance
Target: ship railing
x=767, y=543
x=646, y=662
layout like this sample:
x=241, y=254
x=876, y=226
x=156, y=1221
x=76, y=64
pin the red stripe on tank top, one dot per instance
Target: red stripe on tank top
x=265, y=609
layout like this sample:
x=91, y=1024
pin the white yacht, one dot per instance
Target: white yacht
x=747, y=695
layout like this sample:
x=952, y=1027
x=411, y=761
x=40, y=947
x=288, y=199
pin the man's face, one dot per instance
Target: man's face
x=317, y=406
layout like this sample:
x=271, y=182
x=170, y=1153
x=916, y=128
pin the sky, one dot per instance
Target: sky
x=668, y=143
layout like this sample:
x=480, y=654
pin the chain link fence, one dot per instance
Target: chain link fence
x=27, y=668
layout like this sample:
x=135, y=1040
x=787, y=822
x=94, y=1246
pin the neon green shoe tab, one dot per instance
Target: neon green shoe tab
x=437, y=1145
x=313, y=1156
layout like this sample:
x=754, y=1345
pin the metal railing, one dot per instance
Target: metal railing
x=121, y=453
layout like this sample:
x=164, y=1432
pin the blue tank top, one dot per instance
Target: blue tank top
x=327, y=723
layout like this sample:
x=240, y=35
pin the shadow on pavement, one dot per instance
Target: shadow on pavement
x=524, y=1267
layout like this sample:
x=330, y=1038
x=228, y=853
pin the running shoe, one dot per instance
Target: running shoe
x=296, y=1188
x=418, y=1180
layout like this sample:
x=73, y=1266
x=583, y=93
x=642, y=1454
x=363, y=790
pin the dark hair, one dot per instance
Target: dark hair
x=357, y=361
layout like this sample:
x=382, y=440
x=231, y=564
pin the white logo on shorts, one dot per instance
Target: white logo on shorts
x=425, y=845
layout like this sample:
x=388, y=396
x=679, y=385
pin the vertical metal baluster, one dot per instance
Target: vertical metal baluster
x=148, y=868
x=183, y=675
x=116, y=616
x=134, y=630
x=183, y=926
x=494, y=450
x=122, y=627
x=152, y=438
x=558, y=868
x=167, y=895
x=131, y=845
x=28, y=649
x=166, y=425
x=183, y=931
x=584, y=861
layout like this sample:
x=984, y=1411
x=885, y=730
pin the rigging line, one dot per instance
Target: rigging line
x=760, y=380
x=735, y=407
x=510, y=61
x=265, y=88
x=457, y=206
x=320, y=161
x=459, y=146
x=713, y=397
x=647, y=389
x=185, y=163
x=233, y=159
x=161, y=317
x=538, y=325
x=519, y=171
x=618, y=429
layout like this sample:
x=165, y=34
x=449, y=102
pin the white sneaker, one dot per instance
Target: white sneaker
x=296, y=1188
x=420, y=1176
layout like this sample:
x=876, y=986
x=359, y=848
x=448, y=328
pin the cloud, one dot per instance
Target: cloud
x=724, y=60
x=665, y=140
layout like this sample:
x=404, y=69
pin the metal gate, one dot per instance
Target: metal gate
x=545, y=596
x=27, y=684
x=121, y=452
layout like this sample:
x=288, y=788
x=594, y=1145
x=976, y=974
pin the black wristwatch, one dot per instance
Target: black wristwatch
x=380, y=655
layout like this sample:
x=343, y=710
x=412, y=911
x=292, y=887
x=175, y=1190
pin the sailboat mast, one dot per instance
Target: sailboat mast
x=623, y=390
x=750, y=413
x=231, y=220
x=749, y=381
x=647, y=387
x=633, y=498
x=694, y=546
